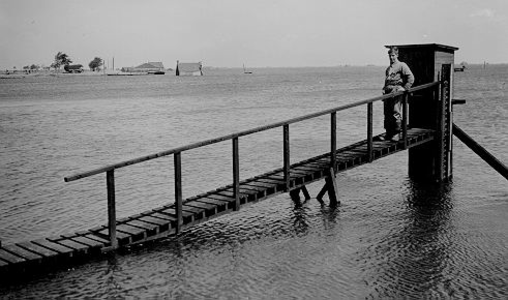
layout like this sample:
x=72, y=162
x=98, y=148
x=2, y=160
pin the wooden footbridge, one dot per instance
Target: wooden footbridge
x=427, y=137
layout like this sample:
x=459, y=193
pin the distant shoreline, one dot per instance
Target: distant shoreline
x=23, y=74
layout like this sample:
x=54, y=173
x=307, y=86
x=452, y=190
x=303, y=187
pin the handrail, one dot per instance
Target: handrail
x=241, y=133
x=110, y=175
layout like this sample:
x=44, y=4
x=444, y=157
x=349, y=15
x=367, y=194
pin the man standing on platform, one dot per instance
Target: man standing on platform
x=398, y=78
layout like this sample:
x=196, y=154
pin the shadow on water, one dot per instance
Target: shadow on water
x=417, y=253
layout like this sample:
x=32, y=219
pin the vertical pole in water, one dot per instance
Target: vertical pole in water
x=236, y=174
x=370, y=113
x=287, y=160
x=110, y=181
x=178, y=191
x=333, y=140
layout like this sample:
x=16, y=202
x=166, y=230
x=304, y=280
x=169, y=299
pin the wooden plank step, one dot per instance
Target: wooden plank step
x=161, y=216
x=66, y=251
x=256, y=188
x=192, y=209
x=143, y=225
x=276, y=181
x=45, y=252
x=229, y=193
x=310, y=168
x=154, y=220
x=130, y=230
x=243, y=197
x=299, y=172
x=120, y=236
x=281, y=176
x=22, y=252
x=202, y=205
x=261, y=184
x=89, y=242
x=92, y=236
x=10, y=258
x=171, y=212
x=219, y=203
x=80, y=248
x=221, y=197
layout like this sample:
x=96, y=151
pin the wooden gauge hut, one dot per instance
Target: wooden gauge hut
x=189, y=69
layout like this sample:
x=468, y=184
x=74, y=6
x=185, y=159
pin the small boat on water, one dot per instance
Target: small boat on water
x=245, y=71
x=460, y=69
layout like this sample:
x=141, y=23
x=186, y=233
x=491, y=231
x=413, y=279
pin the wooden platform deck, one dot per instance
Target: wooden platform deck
x=44, y=254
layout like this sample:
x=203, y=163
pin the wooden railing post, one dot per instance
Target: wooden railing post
x=110, y=181
x=404, y=118
x=178, y=191
x=370, y=113
x=333, y=140
x=287, y=160
x=236, y=174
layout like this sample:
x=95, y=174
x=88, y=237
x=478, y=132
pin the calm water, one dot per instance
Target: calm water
x=390, y=238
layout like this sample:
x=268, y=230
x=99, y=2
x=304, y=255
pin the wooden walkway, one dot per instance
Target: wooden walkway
x=43, y=254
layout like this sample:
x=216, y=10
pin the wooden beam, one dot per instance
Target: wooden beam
x=332, y=188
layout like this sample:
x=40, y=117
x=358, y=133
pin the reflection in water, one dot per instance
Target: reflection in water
x=417, y=252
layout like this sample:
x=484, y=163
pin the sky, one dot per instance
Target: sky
x=257, y=33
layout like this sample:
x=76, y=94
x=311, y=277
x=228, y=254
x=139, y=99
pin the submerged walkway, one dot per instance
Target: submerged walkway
x=42, y=254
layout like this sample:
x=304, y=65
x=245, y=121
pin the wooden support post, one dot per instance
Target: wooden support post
x=482, y=152
x=178, y=191
x=110, y=181
x=322, y=192
x=295, y=195
x=370, y=113
x=287, y=161
x=332, y=188
x=333, y=139
x=236, y=174
x=305, y=192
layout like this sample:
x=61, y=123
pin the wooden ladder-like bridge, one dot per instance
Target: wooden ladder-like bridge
x=184, y=213
x=427, y=137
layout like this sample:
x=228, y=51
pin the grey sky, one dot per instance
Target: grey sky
x=258, y=33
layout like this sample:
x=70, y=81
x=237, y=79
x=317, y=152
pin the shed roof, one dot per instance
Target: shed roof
x=154, y=64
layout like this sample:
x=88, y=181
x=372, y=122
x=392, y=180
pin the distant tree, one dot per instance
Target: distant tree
x=61, y=59
x=34, y=67
x=95, y=64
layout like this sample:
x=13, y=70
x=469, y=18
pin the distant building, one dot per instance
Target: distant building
x=149, y=67
x=189, y=69
x=73, y=68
